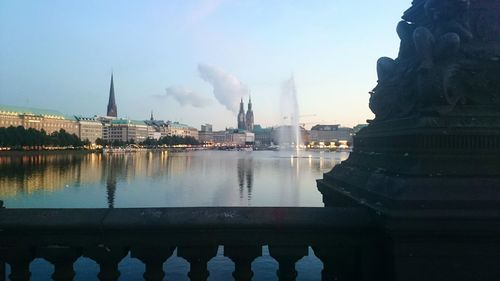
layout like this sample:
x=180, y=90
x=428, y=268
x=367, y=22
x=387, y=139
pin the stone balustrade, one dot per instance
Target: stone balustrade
x=342, y=238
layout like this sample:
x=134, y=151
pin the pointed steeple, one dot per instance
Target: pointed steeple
x=241, y=117
x=152, y=118
x=112, y=112
x=249, y=121
x=250, y=103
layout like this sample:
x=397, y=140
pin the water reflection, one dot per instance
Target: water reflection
x=160, y=179
x=245, y=174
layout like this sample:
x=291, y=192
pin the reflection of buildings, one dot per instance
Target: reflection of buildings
x=111, y=183
x=245, y=174
x=47, y=173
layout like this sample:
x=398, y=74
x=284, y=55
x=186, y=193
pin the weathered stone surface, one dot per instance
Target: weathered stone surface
x=449, y=58
x=434, y=145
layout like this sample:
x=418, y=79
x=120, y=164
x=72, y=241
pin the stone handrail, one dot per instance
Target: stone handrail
x=340, y=237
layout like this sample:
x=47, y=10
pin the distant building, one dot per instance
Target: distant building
x=48, y=120
x=330, y=133
x=181, y=130
x=206, y=128
x=90, y=128
x=206, y=135
x=233, y=137
x=249, y=116
x=263, y=136
x=111, y=111
x=168, y=129
x=242, y=125
x=245, y=121
x=126, y=130
x=285, y=135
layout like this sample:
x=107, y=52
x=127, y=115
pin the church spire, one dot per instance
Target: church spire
x=249, y=119
x=241, y=117
x=112, y=112
x=152, y=118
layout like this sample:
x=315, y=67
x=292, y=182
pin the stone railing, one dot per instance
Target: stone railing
x=344, y=239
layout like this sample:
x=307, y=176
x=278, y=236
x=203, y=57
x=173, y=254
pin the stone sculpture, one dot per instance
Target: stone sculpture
x=438, y=50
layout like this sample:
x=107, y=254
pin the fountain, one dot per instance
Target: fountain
x=289, y=136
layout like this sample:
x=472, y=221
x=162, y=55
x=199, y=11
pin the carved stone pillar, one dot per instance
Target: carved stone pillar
x=19, y=260
x=153, y=258
x=2, y=270
x=338, y=263
x=287, y=256
x=242, y=256
x=198, y=257
x=108, y=259
x=62, y=258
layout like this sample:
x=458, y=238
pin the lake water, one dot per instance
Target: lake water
x=161, y=179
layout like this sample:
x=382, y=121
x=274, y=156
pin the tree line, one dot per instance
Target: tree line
x=19, y=137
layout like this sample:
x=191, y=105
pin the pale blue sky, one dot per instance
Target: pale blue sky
x=59, y=55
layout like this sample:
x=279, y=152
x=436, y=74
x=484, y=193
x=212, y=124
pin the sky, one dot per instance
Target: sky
x=192, y=61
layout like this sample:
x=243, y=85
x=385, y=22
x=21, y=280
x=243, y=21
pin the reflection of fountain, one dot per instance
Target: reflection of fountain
x=289, y=136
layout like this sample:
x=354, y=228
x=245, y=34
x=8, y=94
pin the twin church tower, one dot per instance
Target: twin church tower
x=245, y=122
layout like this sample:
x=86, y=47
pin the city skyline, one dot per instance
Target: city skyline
x=180, y=59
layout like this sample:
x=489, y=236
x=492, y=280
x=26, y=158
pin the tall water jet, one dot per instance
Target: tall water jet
x=289, y=131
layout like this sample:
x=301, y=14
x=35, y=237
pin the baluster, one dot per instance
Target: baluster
x=242, y=256
x=338, y=262
x=19, y=260
x=2, y=270
x=108, y=259
x=153, y=258
x=287, y=256
x=198, y=258
x=62, y=258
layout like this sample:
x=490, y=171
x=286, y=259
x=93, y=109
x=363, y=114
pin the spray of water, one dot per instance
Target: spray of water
x=289, y=137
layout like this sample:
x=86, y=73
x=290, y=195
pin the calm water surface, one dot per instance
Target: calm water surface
x=160, y=179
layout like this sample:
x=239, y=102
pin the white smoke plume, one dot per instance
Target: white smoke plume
x=186, y=97
x=227, y=89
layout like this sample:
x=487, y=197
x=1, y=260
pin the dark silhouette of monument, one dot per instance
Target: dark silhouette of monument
x=428, y=166
x=435, y=141
x=111, y=111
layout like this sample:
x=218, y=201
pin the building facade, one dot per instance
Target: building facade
x=331, y=133
x=245, y=121
x=125, y=130
x=169, y=129
x=39, y=119
x=90, y=128
x=181, y=130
